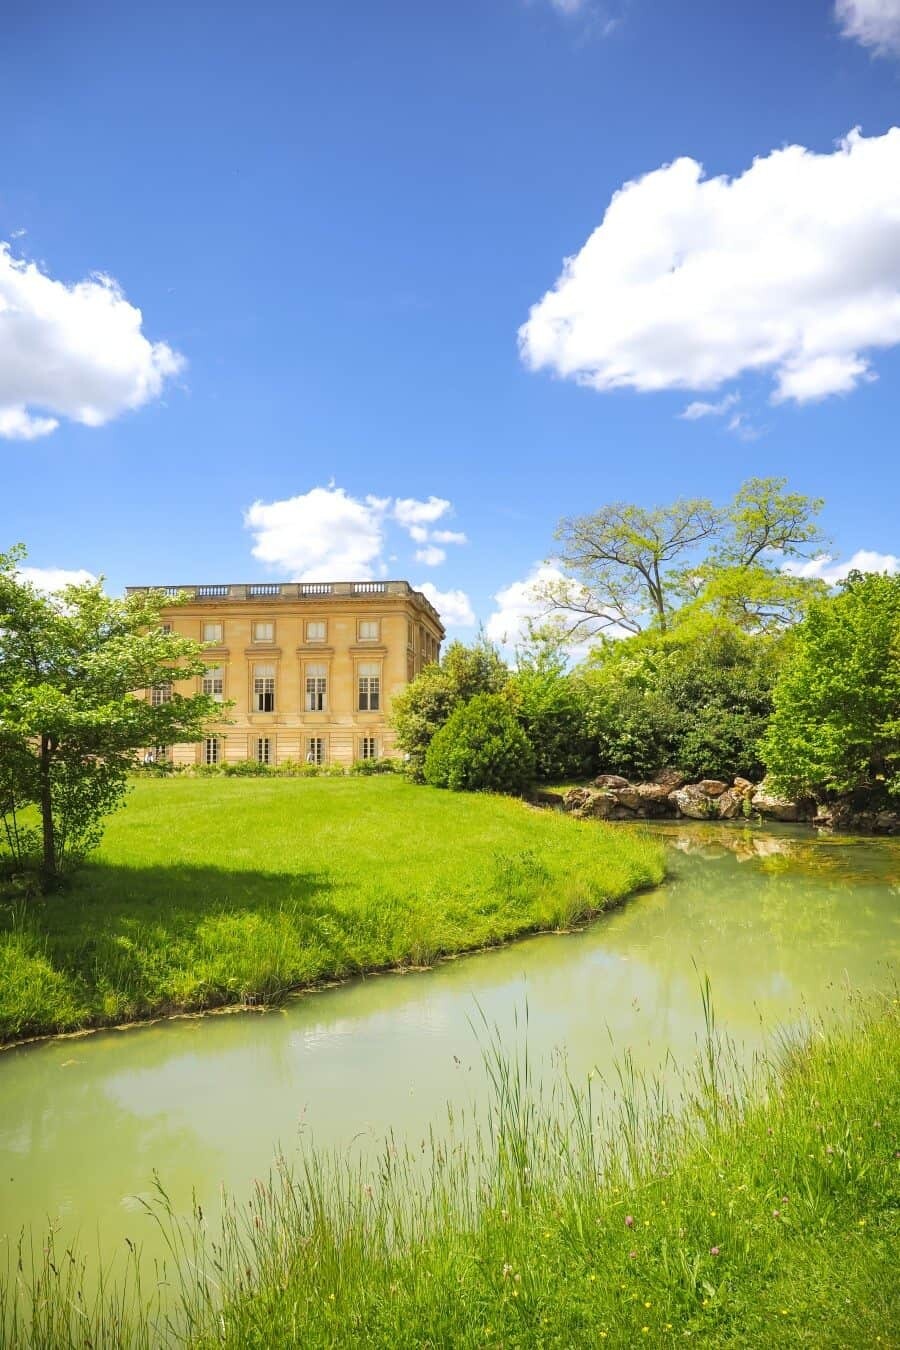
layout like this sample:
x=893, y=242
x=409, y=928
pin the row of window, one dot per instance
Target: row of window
x=263, y=630
x=262, y=699
x=264, y=747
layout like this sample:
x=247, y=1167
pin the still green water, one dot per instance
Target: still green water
x=781, y=922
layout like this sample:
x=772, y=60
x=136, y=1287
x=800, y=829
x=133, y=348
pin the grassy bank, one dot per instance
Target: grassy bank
x=764, y=1211
x=208, y=892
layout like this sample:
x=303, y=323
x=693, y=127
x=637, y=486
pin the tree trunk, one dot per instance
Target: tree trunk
x=48, y=869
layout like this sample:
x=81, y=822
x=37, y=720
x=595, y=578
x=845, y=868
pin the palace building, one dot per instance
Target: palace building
x=309, y=667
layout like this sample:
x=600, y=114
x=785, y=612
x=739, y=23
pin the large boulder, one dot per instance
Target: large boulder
x=693, y=802
x=770, y=805
x=744, y=787
x=670, y=779
x=653, y=792
x=611, y=780
x=729, y=804
x=591, y=803
x=630, y=798
x=712, y=787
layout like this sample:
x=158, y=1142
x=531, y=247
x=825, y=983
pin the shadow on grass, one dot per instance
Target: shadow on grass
x=124, y=943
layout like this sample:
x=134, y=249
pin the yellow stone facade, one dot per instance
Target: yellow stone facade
x=310, y=668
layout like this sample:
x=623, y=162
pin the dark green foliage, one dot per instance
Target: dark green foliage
x=481, y=747
x=836, y=725
x=550, y=709
x=697, y=700
x=424, y=705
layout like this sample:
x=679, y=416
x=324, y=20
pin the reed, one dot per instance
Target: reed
x=746, y=1206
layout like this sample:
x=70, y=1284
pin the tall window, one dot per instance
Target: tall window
x=369, y=686
x=264, y=631
x=263, y=750
x=160, y=694
x=263, y=688
x=165, y=628
x=316, y=688
x=213, y=682
x=368, y=630
x=315, y=750
x=368, y=748
x=212, y=632
x=316, y=630
x=211, y=750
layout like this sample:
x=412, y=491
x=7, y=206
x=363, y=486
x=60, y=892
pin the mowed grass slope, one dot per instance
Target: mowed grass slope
x=212, y=891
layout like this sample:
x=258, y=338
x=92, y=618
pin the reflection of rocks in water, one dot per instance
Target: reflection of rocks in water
x=811, y=855
x=719, y=841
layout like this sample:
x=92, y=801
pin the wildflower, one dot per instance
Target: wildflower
x=648, y=1305
x=507, y=1270
x=645, y=1330
x=714, y=1251
x=712, y=1213
x=776, y=1213
x=632, y=1254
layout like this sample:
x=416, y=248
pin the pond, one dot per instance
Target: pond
x=781, y=921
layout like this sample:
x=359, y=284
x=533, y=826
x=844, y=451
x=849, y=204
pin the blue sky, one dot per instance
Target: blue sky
x=335, y=220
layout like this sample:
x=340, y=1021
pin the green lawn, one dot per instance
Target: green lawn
x=213, y=891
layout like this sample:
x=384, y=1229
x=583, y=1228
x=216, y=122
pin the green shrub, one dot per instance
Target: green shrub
x=245, y=768
x=420, y=709
x=381, y=765
x=481, y=747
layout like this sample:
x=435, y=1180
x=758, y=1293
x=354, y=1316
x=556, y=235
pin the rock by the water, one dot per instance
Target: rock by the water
x=653, y=792
x=775, y=807
x=670, y=779
x=713, y=787
x=729, y=804
x=611, y=780
x=693, y=802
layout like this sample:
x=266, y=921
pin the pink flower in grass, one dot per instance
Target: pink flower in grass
x=629, y=1221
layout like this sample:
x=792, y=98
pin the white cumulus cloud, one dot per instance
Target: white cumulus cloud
x=410, y=512
x=874, y=23
x=825, y=568
x=454, y=607
x=50, y=579
x=320, y=535
x=449, y=537
x=75, y=352
x=792, y=267
x=699, y=409
x=430, y=555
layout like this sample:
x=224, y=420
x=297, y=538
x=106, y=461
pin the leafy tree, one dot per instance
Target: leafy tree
x=73, y=669
x=630, y=568
x=619, y=558
x=424, y=705
x=547, y=701
x=481, y=748
x=836, y=724
x=697, y=699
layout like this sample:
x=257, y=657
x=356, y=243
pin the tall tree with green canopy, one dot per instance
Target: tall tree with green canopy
x=74, y=668
x=835, y=728
x=629, y=568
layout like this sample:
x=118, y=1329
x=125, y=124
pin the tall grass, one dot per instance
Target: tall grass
x=207, y=892
x=748, y=1207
